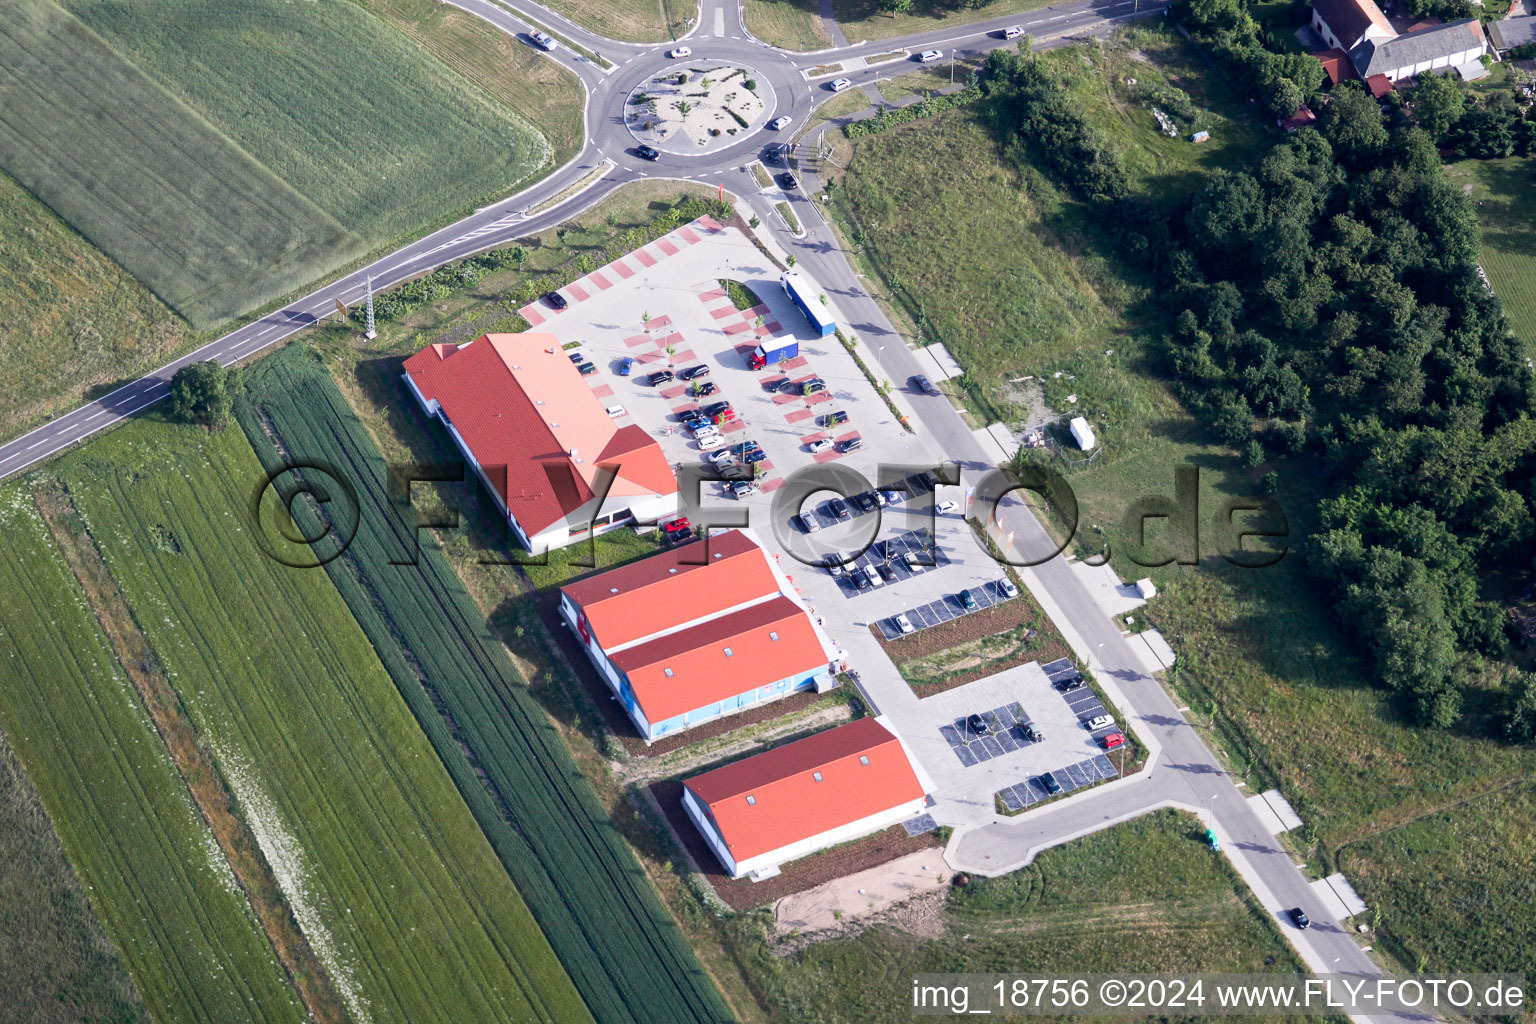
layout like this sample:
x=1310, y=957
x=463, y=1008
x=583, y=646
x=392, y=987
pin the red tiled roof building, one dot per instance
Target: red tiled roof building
x=538, y=438
x=763, y=811
x=702, y=630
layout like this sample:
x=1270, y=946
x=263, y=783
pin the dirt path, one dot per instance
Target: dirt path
x=843, y=901
x=641, y=770
x=191, y=757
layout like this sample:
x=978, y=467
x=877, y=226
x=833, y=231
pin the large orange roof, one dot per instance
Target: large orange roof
x=519, y=402
x=772, y=799
x=691, y=581
x=721, y=657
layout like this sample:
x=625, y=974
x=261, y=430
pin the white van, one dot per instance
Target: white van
x=710, y=441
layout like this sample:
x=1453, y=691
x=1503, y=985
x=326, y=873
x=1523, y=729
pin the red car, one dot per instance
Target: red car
x=676, y=528
x=1113, y=740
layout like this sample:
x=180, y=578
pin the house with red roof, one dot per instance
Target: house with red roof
x=771, y=808
x=540, y=441
x=1379, y=55
x=699, y=631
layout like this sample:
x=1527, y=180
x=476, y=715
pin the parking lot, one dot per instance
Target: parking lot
x=664, y=308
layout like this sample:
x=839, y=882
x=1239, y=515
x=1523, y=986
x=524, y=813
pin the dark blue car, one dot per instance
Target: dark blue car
x=625, y=365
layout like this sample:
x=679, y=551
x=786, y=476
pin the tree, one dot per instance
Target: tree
x=205, y=393
x=1437, y=103
x=894, y=7
x=1521, y=724
x=1352, y=122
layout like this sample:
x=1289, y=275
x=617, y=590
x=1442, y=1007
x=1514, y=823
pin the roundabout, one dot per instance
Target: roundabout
x=699, y=106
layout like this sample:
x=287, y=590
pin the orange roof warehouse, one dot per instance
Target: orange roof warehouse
x=783, y=804
x=703, y=630
x=540, y=440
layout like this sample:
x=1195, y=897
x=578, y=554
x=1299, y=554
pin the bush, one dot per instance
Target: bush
x=887, y=119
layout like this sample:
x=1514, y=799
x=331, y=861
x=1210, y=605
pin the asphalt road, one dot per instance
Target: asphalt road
x=1187, y=774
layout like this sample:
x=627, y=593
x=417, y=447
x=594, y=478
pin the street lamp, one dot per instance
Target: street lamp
x=1213, y=811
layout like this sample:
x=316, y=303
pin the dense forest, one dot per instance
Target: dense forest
x=1327, y=301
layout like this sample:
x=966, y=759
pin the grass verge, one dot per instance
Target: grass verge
x=790, y=24
x=1506, y=208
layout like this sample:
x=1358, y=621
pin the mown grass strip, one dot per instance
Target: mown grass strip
x=587, y=891
x=153, y=871
x=400, y=896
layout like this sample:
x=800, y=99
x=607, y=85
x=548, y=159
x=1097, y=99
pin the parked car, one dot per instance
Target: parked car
x=853, y=444
x=733, y=471
x=542, y=40
x=891, y=497
x=1006, y=586
x=1113, y=740
x=626, y=366
x=1013, y=32
x=903, y=624
x=832, y=419
x=716, y=408
x=676, y=528
x=838, y=84
x=708, y=442
x=704, y=388
x=977, y=725
x=555, y=300
x=576, y=357
x=928, y=481
x=913, y=563
x=818, y=446
x=880, y=499
x=839, y=508
x=1049, y=784
x=660, y=377
x=865, y=501
x=929, y=56
x=723, y=417
x=860, y=579
x=1070, y=683
x=779, y=122
x=1299, y=918
x=875, y=579
x=694, y=372
x=808, y=521
x=693, y=421
x=678, y=52
x=814, y=386
x=886, y=572
x=706, y=429
x=1030, y=734
x=833, y=562
x=1098, y=722
x=788, y=181
x=754, y=456
x=923, y=384
x=968, y=600
x=788, y=387
x=742, y=488
x=586, y=369
x=724, y=458
x=945, y=508
x=647, y=152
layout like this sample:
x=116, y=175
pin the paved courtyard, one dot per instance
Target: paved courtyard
x=663, y=306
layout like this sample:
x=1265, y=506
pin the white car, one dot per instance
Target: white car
x=1012, y=32
x=707, y=430
x=723, y=458
x=945, y=508
x=929, y=56
x=1007, y=587
x=808, y=522
x=778, y=123
x=710, y=441
x=904, y=624
x=839, y=84
x=914, y=564
x=1098, y=722
x=871, y=575
x=680, y=52
x=542, y=40
x=742, y=488
x=819, y=446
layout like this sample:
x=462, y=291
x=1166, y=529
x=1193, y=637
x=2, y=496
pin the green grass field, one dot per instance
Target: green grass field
x=586, y=890
x=1505, y=191
x=792, y=24
x=399, y=894
x=154, y=873
x=1039, y=284
x=57, y=965
x=71, y=321
x=227, y=156
x=1142, y=897
x=640, y=21
x=1462, y=885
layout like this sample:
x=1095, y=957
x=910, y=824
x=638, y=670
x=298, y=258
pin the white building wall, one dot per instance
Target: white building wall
x=805, y=847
